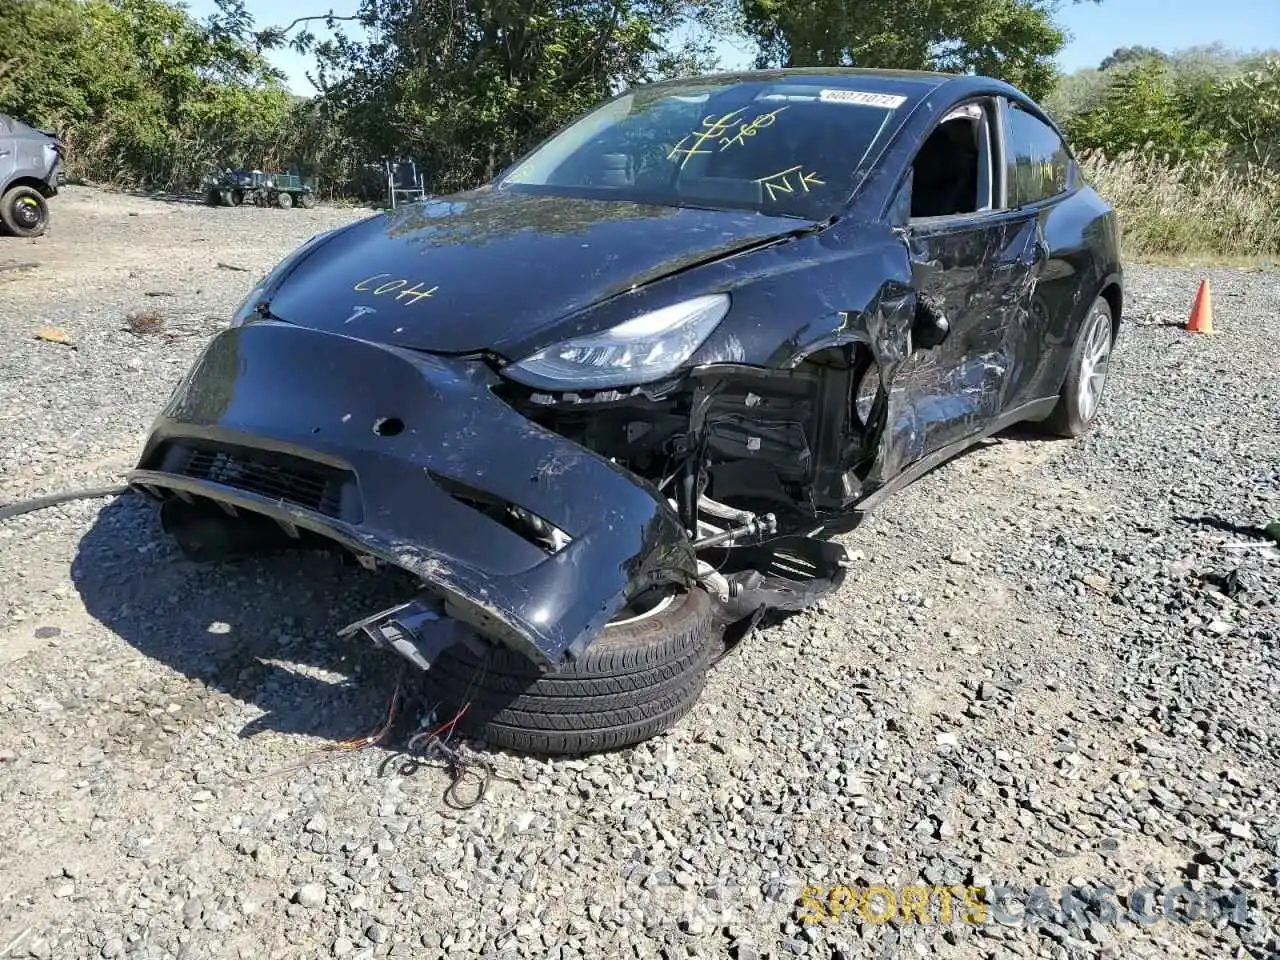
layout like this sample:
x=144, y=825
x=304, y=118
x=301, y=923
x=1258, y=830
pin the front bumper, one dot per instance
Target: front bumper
x=386, y=452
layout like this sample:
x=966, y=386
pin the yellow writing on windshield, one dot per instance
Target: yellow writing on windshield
x=751, y=128
x=786, y=181
x=720, y=130
x=712, y=129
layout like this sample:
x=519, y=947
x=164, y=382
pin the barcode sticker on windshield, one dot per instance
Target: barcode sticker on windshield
x=889, y=101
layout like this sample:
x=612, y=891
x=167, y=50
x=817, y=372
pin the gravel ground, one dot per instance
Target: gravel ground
x=1056, y=664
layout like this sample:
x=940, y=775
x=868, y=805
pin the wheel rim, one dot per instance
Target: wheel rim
x=865, y=397
x=27, y=212
x=642, y=610
x=1094, y=360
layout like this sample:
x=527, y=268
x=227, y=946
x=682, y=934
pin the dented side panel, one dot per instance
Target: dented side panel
x=980, y=279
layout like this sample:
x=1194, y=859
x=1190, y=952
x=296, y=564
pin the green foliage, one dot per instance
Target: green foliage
x=1189, y=105
x=1075, y=93
x=140, y=92
x=1186, y=145
x=1244, y=113
x=1141, y=109
x=1124, y=55
x=468, y=85
x=144, y=93
x=1014, y=40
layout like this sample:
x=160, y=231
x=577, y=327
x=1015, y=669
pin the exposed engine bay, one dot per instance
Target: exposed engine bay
x=731, y=446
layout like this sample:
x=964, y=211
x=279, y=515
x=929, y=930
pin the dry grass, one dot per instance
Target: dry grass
x=1183, y=211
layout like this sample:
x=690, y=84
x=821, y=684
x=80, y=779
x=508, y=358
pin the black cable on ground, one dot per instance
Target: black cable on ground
x=17, y=509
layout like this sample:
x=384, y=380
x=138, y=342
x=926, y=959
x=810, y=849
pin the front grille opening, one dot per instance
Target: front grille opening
x=327, y=490
x=536, y=530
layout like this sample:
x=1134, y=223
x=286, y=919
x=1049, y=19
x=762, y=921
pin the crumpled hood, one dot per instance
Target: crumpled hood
x=487, y=269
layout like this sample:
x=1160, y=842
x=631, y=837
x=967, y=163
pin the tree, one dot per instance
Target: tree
x=1200, y=102
x=1243, y=111
x=1141, y=110
x=1014, y=40
x=468, y=85
x=139, y=91
x=1121, y=56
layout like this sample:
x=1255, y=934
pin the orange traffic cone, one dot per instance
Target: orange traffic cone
x=1201, y=320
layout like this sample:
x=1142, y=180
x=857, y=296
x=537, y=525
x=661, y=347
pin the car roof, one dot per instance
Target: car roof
x=914, y=84
x=838, y=76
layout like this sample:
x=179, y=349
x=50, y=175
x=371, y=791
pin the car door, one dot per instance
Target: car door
x=1043, y=179
x=973, y=262
x=8, y=152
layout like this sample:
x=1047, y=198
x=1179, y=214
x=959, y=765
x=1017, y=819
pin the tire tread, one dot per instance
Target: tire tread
x=632, y=683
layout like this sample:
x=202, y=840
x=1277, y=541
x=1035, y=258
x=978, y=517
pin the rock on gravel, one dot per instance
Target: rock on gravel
x=1055, y=664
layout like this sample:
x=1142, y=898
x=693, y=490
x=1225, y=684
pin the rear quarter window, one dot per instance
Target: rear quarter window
x=1039, y=164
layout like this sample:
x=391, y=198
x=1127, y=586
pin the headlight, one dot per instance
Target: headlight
x=248, y=308
x=645, y=348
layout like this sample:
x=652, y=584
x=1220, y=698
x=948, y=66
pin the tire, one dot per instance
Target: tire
x=636, y=680
x=306, y=200
x=283, y=200
x=213, y=198
x=237, y=197
x=225, y=197
x=1088, y=364
x=24, y=212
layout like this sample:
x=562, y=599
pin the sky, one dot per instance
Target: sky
x=1094, y=29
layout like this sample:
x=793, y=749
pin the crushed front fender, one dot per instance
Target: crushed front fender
x=402, y=456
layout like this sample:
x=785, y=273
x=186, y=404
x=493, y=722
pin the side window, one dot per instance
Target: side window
x=1037, y=159
x=951, y=172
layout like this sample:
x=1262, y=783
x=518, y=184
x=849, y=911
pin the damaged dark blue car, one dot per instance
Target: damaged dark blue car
x=622, y=398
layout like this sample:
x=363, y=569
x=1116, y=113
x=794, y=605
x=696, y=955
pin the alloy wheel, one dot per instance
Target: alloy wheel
x=27, y=212
x=1094, y=360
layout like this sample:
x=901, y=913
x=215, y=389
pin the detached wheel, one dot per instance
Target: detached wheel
x=643, y=673
x=24, y=212
x=284, y=201
x=1086, y=374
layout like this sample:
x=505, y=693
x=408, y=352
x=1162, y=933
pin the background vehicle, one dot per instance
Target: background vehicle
x=30, y=173
x=634, y=386
x=231, y=188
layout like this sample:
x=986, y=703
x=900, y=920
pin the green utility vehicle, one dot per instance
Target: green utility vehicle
x=231, y=188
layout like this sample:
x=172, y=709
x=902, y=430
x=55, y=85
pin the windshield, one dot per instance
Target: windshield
x=785, y=148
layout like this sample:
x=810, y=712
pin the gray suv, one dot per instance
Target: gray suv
x=30, y=173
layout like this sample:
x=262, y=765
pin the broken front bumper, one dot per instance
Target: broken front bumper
x=388, y=452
